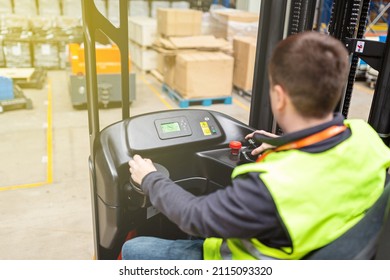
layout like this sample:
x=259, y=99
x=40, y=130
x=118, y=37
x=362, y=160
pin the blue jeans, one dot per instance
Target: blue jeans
x=153, y=248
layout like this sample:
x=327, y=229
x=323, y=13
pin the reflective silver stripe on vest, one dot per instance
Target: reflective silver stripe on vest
x=254, y=252
x=226, y=254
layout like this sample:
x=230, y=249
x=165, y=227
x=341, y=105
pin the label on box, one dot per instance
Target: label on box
x=45, y=49
x=17, y=50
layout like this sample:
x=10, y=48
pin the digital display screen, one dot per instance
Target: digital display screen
x=170, y=127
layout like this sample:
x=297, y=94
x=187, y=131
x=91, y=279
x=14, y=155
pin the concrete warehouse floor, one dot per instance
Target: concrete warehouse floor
x=44, y=179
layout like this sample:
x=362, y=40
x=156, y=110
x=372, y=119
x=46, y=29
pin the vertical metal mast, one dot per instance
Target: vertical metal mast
x=272, y=17
x=94, y=21
x=278, y=19
x=379, y=116
x=348, y=20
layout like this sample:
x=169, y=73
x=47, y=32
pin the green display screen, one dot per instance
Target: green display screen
x=170, y=127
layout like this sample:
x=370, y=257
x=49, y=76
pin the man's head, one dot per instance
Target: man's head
x=312, y=69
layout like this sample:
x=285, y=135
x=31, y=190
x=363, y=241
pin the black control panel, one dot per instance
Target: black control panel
x=172, y=128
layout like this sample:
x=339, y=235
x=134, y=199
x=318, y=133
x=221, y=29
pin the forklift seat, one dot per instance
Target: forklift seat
x=368, y=239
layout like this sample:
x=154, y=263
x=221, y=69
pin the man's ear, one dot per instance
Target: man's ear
x=280, y=97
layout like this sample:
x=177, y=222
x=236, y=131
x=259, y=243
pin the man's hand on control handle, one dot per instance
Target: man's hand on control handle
x=140, y=167
x=263, y=146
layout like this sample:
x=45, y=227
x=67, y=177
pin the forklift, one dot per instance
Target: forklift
x=108, y=73
x=201, y=137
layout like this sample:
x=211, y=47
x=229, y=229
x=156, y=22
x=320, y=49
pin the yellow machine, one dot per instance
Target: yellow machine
x=108, y=68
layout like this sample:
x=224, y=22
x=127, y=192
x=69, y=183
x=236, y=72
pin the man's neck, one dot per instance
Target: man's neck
x=297, y=122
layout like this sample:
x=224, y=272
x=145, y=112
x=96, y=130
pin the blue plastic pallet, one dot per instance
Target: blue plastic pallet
x=185, y=103
x=6, y=88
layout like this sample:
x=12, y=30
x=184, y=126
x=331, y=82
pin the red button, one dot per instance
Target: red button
x=235, y=145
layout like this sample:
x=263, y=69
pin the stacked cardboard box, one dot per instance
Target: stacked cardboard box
x=179, y=22
x=142, y=34
x=244, y=62
x=46, y=52
x=229, y=23
x=203, y=74
x=17, y=50
x=241, y=29
x=170, y=49
x=192, y=64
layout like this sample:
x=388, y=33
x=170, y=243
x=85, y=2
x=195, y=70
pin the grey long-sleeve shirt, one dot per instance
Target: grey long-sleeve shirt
x=243, y=210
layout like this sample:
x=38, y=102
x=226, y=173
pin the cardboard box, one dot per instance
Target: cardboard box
x=142, y=30
x=244, y=62
x=169, y=70
x=144, y=58
x=160, y=63
x=229, y=23
x=169, y=48
x=203, y=74
x=166, y=61
x=236, y=15
x=202, y=42
x=179, y=22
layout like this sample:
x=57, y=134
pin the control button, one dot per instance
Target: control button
x=235, y=147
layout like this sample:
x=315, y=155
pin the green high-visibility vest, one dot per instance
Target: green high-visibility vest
x=318, y=196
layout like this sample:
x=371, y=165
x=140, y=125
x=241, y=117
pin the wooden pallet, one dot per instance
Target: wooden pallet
x=26, y=77
x=185, y=103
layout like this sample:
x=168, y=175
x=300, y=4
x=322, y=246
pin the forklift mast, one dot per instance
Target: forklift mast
x=94, y=23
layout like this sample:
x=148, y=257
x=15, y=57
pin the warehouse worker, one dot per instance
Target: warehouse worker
x=314, y=184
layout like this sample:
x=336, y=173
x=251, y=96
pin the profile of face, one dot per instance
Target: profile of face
x=273, y=100
x=281, y=105
x=276, y=95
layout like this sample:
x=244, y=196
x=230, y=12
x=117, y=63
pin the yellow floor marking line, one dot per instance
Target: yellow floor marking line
x=156, y=92
x=364, y=88
x=49, y=148
x=242, y=105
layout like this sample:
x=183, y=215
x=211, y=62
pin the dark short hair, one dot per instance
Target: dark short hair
x=313, y=69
